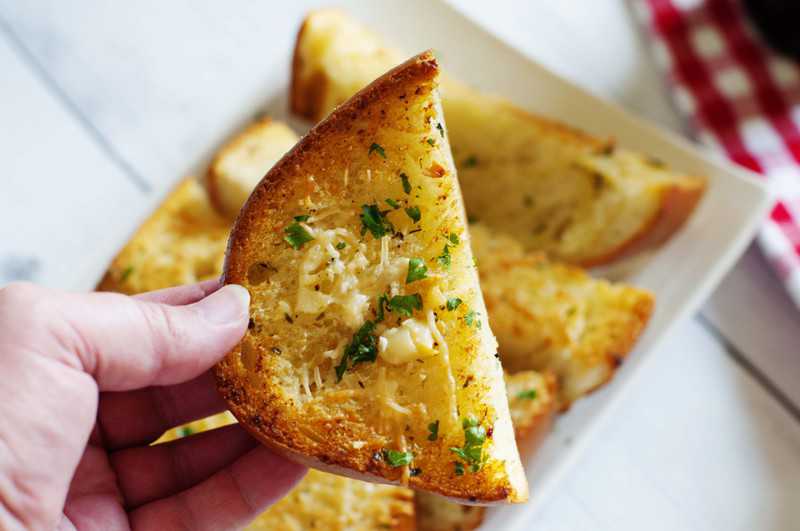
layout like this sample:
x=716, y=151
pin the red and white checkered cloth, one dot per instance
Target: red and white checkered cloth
x=742, y=99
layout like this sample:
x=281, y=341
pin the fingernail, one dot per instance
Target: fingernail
x=226, y=305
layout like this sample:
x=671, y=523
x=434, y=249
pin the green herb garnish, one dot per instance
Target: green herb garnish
x=406, y=184
x=472, y=451
x=395, y=458
x=296, y=235
x=304, y=217
x=433, y=427
x=392, y=203
x=444, y=258
x=374, y=221
x=406, y=304
x=185, y=431
x=383, y=301
x=454, y=239
x=472, y=317
x=459, y=469
x=414, y=213
x=530, y=394
x=363, y=347
x=378, y=149
x=416, y=270
x=340, y=246
x=440, y=128
x=431, y=142
x=453, y=303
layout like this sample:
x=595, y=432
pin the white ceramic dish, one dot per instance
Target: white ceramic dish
x=682, y=273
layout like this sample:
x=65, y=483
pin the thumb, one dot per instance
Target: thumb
x=128, y=343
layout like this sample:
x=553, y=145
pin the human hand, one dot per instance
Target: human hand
x=89, y=380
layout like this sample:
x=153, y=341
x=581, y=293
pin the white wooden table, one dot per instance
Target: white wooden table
x=101, y=101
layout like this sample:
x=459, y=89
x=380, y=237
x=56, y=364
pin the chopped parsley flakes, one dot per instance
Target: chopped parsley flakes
x=472, y=318
x=440, y=128
x=433, y=428
x=395, y=458
x=472, y=451
x=296, y=235
x=184, y=431
x=406, y=183
x=363, y=347
x=383, y=301
x=414, y=213
x=444, y=258
x=405, y=304
x=340, y=246
x=529, y=394
x=392, y=203
x=402, y=304
x=374, y=221
x=304, y=217
x=416, y=270
x=378, y=149
x=453, y=303
x=431, y=142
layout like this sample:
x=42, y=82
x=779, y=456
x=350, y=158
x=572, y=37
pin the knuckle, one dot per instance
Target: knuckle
x=166, y=329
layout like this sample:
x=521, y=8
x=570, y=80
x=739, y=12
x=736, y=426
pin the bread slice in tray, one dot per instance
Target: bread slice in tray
x=578, y=197
x=554, y=316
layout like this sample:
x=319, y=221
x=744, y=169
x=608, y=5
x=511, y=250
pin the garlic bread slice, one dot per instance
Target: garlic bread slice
x=323, y=501
x=553, y=316
x=577, y=197
x=241, y=163
x=182, y=242
x=368, y=352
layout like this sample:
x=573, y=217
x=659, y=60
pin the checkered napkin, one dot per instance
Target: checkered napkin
x=743, y=100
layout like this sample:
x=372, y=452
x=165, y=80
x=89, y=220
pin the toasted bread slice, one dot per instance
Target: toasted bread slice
x=532, y=399
x=555, y=316
x=573, y=195
x=242, y=162
x=182, y=242
x=368, y=327
x=324, y=501
x=328, y=501
x=435, y=514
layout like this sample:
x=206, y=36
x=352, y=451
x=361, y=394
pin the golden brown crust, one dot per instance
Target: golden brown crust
x=677, y=203
x=271, y=418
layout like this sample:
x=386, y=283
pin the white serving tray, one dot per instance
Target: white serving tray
x=681, y=274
